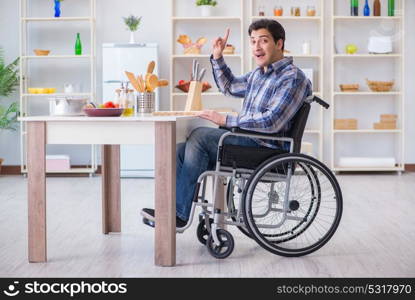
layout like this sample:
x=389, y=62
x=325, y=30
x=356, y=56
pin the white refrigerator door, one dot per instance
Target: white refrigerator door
x=136, y=161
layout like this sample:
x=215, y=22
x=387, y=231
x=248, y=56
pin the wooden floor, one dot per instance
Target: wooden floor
x=376, y=237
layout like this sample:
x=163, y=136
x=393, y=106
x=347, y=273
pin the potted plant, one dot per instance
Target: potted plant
x=9, y=80
x=132, y=23
x=206, y=7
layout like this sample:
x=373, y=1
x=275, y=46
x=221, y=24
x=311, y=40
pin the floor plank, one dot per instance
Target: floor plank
x=376, y=237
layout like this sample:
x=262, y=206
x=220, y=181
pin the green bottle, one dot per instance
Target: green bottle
x=391, y=8
x=78, y=45
x=354, y=7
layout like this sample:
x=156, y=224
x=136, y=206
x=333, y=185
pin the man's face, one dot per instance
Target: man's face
x=264, y=50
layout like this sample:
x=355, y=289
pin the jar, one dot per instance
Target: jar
x=261, y=10
x=306, y=47
x=295, y=11
x=311, y=11
x=278, y=11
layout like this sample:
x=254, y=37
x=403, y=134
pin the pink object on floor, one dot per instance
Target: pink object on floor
x=57, y=162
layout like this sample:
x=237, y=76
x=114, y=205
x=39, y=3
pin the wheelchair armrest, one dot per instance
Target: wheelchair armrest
x=236, y=131
x=253, y=133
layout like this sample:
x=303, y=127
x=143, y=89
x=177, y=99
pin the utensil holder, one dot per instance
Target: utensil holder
x=145, y=103
x=194, y=97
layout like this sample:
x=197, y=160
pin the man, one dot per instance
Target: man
x=273, y=93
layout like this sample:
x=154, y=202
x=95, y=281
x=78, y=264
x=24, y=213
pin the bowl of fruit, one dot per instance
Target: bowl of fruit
x=184, y=85
x=107, y=109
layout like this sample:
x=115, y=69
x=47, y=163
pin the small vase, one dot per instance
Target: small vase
x=132, y=41
x=206, y=10
x=57, y=8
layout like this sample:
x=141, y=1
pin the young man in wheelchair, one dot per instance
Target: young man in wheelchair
x=273, y=93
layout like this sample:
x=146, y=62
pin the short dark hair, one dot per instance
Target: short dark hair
x=274, y=27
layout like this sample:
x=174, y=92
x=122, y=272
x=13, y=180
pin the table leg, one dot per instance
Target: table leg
x=111, y=186
x=36, y=167
x=165, y=193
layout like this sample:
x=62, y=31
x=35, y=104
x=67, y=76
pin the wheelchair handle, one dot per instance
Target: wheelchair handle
x=318, y=100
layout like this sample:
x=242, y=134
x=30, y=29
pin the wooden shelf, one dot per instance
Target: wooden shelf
x=60, y=19
x=366, y=93
x=27, y=17
x=377, y=169
x=289, y=18
x=371, y=18
x=71, y=170
x=222, y=18
x=58, y=95
x=313, y=131
x=203, y=94
x=366, y=55
x=367, y=131
x=202, y=55
x=55, y=56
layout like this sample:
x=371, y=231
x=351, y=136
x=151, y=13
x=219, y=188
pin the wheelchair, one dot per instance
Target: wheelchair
x=289, y=203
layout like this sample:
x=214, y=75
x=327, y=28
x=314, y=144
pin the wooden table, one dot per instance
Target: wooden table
x=162, y=131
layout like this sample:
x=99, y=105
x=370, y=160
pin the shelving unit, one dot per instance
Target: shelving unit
x=294, y=27
x=364, y=104
x=186, y=19
x=26, y=59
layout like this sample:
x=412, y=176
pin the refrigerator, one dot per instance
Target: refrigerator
x=136, y=160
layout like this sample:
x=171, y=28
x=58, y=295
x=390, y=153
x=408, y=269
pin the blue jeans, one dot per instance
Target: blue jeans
x=196, y=156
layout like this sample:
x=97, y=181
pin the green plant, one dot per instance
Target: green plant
x=9, y=80
x=206, y=2
x=132, y=22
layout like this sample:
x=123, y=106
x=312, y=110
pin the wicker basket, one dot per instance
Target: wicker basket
x=40, y=52
x=380, y=86
x=349, y=87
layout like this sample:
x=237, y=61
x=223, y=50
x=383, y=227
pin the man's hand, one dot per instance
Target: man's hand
x=213, y=116
x=219, y=45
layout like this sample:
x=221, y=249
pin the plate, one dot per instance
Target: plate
x=104, y=112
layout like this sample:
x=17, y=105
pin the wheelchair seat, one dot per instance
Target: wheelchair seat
x=251, y=157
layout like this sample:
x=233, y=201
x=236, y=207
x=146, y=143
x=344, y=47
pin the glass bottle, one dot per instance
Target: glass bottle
x=354, y=7
x=78, y=45
x=391, y=8
x=366, y=9
x=57, y=8
x=376, y=8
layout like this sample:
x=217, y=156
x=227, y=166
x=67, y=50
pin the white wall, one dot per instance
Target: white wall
x=156, y=28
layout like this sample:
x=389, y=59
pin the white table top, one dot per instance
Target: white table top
x=140, y=118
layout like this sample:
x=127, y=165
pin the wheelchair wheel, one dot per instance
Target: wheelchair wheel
x=308, y=211
x=226, y=244
x=233, y=202
x=202, y=232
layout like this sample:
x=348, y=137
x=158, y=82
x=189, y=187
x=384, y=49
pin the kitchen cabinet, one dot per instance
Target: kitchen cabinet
x=186, y=19
x=305, y=43
x=39, y=29
x=367, y=144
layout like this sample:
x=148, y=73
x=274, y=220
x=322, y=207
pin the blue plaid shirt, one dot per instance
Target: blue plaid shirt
x=271, y=98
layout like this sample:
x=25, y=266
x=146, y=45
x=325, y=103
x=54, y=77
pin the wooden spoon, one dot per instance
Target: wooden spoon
x=150, y=67
x=133, y=80
x=142, y=83
x=163, y=82
x=151, y=82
